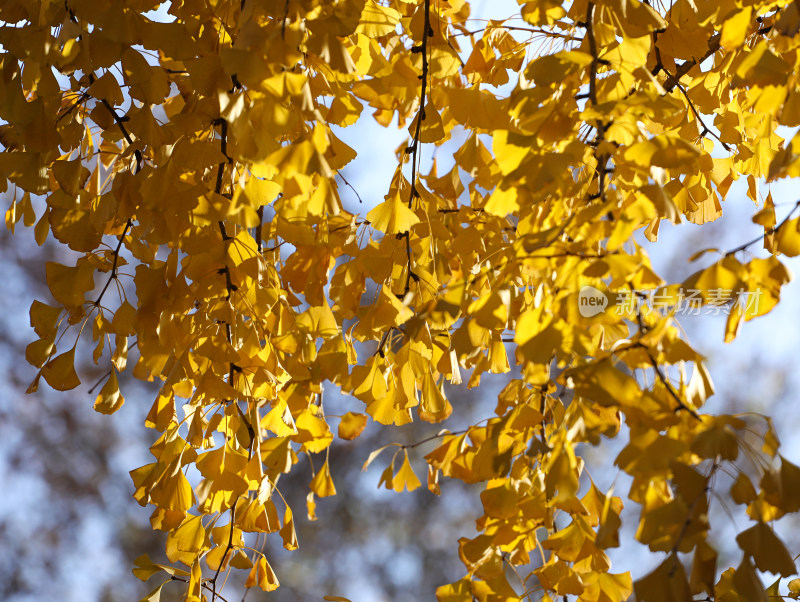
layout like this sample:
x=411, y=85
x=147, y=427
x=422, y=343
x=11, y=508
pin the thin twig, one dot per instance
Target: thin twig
x=552, y=34
x=113, y=275
x=349, y=185
x=600, y=126
x=661, y=376
x=260, y=213
x=137, y=153
x=413, y=148
x=285, y=18
x=230, y=288
x=766, y=233
x=432, y=437
x=228, y=548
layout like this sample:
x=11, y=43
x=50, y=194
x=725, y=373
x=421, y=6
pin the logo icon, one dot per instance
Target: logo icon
x=591, y=301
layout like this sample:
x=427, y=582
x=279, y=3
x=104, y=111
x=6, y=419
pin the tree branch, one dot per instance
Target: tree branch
x=228, y=548
x=766, y=233
x=413, y=148
x=137, y=153
x=660, y=374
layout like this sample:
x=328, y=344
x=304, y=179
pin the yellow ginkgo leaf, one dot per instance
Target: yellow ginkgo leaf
x=662, y=151
x=173, y=491
x=351, y=425
x=742, y=490
x=431, y=128
x=107, y=88
x=60, y=371
x=761, y=67
x=110, y=399
x=377, y=20
x=311, y=506
x=144, y=568
x=69, y=285
x=319, y=321
x=262, y=575
x=500, y=500
x=287, y=532
x=322, y=483
x=666, y=583
x=313, y=432
x=433, y=407
x=405, y=477
x=155, y=594
x=607, y=587
x=44, y=318
x=185, y=542
x=787, y=238
x=393, y=216
x=279, y=420
x=39, y=351
x=767, y=550
x=368, y=381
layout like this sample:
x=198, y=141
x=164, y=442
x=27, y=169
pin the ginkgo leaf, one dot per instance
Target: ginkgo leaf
x=322, y=483
x=433, y=407
x=568, y=543
x=311, y=507
x=761, y=67
x=110, y=399
x=736, y=28
x=607, y=587
x=262, y=575
x=662, y=151
x=144, y=568
x=767, y=550
x=155, y=595
x=666, y=583
x=405, y=477
x=60, y=373
x=313, y=432
x=374, y=454
x=431, y=128
x=319, y=321
x=704, y=569
x=241, y=561
x=500, y=501
x=787, y=238
x=214, y=559
x=107, y=88
x=69, y=285
x=371, y=382
x=393, y=216
x=747, y=583
x=287, y=532
x=352, y=425
x=610, y=522
x=44, y=318
x=377, y=20
x=173, y=491
x=279, y=420
x=742, y=490
x=39, y=351
x=387, y=476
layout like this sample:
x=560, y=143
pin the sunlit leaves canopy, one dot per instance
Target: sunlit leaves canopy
x=189, y=156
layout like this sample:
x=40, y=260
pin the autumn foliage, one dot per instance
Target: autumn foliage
x=186, y=158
